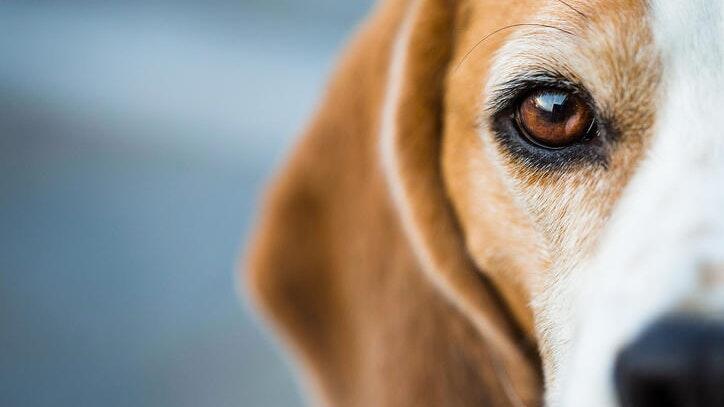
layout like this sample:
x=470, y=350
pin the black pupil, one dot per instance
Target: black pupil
x=554, y=106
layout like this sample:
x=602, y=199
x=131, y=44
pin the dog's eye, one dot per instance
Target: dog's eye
x=554, y=118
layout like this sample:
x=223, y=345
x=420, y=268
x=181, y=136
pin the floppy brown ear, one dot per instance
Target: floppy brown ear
x=358, y=260
x=411, y=140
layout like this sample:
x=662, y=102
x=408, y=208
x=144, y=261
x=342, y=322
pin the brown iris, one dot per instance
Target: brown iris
x=554, y=118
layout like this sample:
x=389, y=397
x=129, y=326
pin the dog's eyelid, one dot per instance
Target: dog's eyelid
x=504, y=95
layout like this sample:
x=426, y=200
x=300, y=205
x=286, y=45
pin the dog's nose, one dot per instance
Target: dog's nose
x=677, y=362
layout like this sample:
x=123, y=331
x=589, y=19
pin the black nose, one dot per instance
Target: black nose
x=677, y=362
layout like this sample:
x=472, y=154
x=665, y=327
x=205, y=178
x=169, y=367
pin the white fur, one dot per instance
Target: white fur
x=668, y=229
x=665, y=238
x=388, y=133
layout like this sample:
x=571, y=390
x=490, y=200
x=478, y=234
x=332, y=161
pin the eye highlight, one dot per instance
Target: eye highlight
x=554, y=118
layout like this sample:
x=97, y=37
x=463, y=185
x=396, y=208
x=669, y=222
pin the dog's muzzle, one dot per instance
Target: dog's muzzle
x=677, y=362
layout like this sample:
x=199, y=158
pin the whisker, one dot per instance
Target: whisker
x=580, y=13
x=477, y=44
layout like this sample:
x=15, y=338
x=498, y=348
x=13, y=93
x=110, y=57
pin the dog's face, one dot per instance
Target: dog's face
x=582, y=154
x=484, y=172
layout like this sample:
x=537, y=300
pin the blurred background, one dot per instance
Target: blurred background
x=135, y=139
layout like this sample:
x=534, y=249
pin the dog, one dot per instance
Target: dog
x=508, y=203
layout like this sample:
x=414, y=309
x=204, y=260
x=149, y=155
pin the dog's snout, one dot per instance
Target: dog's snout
x=677, y=362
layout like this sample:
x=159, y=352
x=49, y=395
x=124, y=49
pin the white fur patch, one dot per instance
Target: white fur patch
x=388, y=132
x=666, y=236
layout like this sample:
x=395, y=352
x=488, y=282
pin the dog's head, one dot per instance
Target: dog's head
x=571, y=153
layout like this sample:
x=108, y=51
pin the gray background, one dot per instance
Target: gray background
x=135, y=137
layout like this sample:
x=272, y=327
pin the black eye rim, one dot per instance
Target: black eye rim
x=590, y=132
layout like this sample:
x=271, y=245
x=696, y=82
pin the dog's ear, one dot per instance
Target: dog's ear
x=411, y=142
x=358, y=259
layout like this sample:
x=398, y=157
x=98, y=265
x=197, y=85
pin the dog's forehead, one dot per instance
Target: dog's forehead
x=605, y=47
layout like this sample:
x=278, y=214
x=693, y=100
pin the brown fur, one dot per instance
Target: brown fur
x=333, y=264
